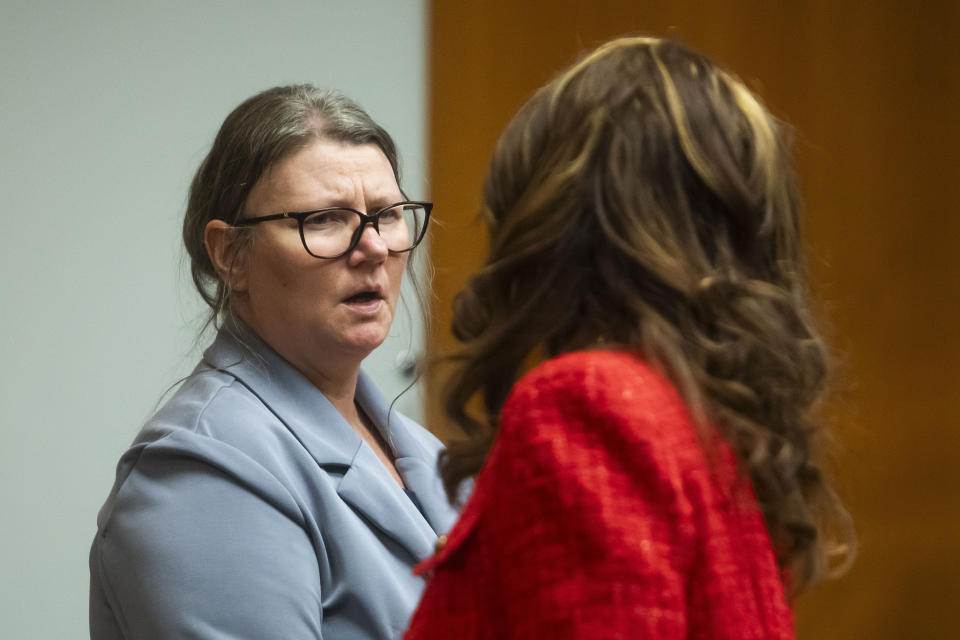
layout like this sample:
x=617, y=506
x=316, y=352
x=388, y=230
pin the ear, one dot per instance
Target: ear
x=221, y=241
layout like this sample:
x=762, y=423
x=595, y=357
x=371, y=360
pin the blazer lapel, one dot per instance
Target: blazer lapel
x=370, y=489
x=336, y=447
x=415, y=463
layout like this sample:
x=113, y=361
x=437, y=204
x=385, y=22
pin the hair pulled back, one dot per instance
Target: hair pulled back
x=261, y=131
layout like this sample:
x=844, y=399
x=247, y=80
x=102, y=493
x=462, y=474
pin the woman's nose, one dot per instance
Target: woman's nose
x=370, y=246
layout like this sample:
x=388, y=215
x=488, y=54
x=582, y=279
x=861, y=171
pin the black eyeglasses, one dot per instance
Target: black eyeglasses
x=335, y=231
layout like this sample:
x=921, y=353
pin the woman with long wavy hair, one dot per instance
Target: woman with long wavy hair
x=640, y=376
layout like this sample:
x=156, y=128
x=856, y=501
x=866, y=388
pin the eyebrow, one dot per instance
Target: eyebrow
x=339, y=204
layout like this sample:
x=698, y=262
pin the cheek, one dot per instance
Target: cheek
x=271, y=277
x=276, y=272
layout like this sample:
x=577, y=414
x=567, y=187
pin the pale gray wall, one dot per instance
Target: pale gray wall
x=106, y=108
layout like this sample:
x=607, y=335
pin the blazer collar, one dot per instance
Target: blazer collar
x=306, y=412
x=366, y=485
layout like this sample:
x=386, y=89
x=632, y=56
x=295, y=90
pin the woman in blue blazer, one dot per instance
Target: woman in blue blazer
x=276, y=495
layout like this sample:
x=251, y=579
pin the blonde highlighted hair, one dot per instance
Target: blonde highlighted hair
x=645, y=198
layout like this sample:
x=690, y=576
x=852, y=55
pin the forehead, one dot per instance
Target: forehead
x=326, y=173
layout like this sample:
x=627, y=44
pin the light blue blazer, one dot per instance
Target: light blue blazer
x=247, y=507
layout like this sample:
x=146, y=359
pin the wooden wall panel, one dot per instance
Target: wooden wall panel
x=873, y=90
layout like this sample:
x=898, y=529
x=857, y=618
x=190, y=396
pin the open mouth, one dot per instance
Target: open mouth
x=363, y=296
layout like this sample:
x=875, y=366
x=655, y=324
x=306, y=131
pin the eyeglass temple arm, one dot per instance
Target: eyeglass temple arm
x=249, y=222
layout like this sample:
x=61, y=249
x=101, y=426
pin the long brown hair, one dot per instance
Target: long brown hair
x=645, y=199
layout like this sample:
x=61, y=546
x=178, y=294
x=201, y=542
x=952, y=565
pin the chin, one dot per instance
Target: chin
x=365, y=341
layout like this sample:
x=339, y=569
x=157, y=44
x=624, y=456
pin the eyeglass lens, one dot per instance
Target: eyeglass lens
x=329, y=233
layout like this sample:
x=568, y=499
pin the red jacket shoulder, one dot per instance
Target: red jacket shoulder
x=603, y=393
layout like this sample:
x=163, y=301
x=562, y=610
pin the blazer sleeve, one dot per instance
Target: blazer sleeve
x=206, y=544
x=586, y=523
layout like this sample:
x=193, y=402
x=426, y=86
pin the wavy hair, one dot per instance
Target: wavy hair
x=645, y=199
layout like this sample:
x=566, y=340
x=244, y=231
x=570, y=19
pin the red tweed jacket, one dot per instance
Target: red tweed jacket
x=599, y=515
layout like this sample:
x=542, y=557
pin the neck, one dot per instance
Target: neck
x=340, y=390
x=336, y=379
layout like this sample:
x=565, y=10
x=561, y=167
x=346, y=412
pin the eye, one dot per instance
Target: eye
x=393, y=214
x=331, y=219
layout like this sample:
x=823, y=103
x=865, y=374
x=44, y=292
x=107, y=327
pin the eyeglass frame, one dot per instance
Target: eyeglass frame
x=365, y=219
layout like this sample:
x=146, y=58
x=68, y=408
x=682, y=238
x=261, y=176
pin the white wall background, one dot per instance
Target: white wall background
x=106, y=109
